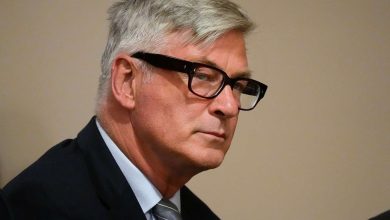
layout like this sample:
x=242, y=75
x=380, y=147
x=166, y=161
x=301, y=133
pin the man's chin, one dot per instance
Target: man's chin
x=211, y=161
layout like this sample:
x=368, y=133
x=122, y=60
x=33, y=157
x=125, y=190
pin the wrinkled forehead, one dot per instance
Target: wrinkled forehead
x=227, y=52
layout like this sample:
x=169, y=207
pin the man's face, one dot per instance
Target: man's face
x=178, y=128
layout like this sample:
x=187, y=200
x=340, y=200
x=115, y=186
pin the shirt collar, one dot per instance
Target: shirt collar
x=145, y=192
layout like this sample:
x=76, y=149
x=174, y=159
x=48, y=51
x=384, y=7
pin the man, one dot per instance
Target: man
x=174, y=78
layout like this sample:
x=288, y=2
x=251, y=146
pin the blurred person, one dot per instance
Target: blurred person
x=4, y=210
x=383, y=216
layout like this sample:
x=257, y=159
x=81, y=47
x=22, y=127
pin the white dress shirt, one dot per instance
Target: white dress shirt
x=145, y=192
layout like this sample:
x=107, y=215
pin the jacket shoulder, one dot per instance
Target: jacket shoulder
x=53, y=186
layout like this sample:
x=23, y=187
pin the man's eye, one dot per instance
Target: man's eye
x=239, y=86
x=202, y=76
x=205, y=74
x=247, y=88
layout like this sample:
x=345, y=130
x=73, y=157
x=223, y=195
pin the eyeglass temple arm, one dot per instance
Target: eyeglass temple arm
x=165, y=62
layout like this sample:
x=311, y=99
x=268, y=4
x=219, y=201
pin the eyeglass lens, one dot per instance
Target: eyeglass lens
x=207, y=82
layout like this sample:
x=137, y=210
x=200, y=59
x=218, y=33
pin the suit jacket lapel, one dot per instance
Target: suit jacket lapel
x=111, y=185
x=192, y=208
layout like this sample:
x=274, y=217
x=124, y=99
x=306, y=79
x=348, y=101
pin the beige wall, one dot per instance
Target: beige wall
x=318, y=146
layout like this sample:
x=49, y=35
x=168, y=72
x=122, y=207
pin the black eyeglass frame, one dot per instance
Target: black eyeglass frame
x=183, y=66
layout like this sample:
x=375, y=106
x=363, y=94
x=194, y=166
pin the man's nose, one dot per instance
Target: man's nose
x=225, y=104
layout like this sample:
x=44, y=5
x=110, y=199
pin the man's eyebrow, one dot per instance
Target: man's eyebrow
x=207, y=62
x=245, y=74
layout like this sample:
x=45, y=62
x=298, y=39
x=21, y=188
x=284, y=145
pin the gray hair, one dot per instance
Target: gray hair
x=137, y=25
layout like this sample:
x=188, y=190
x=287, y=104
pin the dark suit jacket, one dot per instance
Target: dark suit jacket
x=79, y=179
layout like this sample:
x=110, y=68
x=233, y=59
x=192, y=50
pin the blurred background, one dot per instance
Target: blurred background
x=316, y=147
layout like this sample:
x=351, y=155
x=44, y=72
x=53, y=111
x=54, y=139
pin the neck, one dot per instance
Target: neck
x=166, y=175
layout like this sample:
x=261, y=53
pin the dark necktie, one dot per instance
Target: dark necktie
x=166, y=210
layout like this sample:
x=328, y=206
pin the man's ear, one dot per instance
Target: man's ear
x=123, y=81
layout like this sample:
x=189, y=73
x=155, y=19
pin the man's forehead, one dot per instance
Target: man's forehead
x=179, y=46
x=245, y=73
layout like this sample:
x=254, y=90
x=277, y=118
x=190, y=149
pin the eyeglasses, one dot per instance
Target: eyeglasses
x=207, y=81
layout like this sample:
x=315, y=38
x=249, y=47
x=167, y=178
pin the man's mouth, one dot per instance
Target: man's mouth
x=215, y=134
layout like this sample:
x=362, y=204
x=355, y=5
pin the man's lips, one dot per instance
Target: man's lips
x=214, y=133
